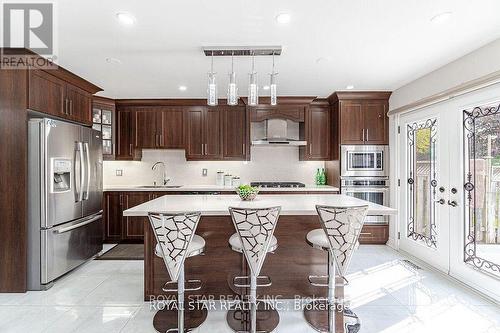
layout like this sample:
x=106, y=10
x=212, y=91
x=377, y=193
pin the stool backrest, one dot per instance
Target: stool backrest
x=342, y=227
x=174, y=233
x=255, y=227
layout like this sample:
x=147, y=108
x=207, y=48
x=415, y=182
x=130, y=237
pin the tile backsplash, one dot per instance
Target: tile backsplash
x=267, y=164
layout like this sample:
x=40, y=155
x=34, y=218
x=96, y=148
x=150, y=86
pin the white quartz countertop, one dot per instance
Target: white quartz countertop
x=194, y=188
x=291, y=204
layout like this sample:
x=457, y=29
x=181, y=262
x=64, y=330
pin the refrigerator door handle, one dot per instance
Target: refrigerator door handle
x=79, y=192
x=85, y=195
x=76, y=226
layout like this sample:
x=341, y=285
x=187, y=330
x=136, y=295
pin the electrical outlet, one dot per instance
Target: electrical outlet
x=204, y=172
x=119, y=172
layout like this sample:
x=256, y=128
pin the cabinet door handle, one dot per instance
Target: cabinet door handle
x=161, y=139
x=202, y=149
x=244, y=151
x=65, y=111
x=367, y=135
x=206, y=149
x=363, y=133
x=130, y=149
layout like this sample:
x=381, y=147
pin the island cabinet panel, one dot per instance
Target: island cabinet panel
x=317, y=134
x=203, y=130
x=235, y=135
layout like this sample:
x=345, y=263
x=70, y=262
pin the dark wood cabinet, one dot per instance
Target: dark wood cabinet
x=351, y=123
x=362, y=117
x=376, y=122
x=133, y=226
x=46, y=93
x=172, y=128
x=203, y=133
x=292, y=112
x=159, y=128
x=113, y=211
x=235, y=135
x=147, y=125
x=125, y=149
x=317, y=134
x=52, y=95
x=104, y=120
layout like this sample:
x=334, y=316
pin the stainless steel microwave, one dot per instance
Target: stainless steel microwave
x=364, y=161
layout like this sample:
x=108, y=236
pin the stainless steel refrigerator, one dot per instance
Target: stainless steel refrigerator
x=64, y=198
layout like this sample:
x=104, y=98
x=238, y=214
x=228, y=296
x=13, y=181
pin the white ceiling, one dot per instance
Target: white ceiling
x=371, y=44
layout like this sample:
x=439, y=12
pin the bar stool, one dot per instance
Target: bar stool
x=255, y=228
x=341, y=227
x=241, y=281
x=176, y=240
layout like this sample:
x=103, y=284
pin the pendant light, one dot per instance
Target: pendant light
x=232, y=89
x=212, y=99
x=272, y=86
x=253, y=87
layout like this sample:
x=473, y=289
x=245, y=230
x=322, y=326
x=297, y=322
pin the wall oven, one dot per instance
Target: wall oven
x=364, y=161
x=371, y=189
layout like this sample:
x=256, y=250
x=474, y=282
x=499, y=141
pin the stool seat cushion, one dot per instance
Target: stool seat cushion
x=195, y=248
x=317, y=239
x=235, y=243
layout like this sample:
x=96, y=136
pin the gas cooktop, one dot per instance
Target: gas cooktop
x=277, y=184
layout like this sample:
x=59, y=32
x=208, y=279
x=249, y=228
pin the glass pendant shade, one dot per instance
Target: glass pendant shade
x=253, y=89
x=273, y=89
x=212, y=99
x=232, y=90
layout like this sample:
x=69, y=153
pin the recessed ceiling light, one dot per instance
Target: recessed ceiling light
x=283, y=18
x=350, y=87
x=265, y=87
x=113, y=61
x=125, y=18
x=182, y=88
x=441, y=17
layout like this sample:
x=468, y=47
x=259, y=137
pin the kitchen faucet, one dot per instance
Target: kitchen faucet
x=165, y=179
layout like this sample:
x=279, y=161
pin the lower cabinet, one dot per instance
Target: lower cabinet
x=131, y=229
x=119, y=228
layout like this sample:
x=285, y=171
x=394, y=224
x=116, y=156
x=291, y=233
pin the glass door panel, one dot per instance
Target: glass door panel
x=482, y=188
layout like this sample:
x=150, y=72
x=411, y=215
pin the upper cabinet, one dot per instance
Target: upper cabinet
x=362, y=117
x=125, y=133
x=159, y=127
x=235, y=134
x=104, y=120
x=203, y=129
x=61, y=94
x=317, y=133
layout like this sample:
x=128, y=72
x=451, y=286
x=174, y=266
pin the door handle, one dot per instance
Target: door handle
x=452, y=203
x=79, y=192
x=363, y=133
x=441, y=201
x=87, y=153
x=76, y=226
x=367, y=139
x=71, y=107
x=130, y=149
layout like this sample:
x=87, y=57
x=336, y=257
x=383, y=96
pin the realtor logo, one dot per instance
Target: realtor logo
x=29, y=25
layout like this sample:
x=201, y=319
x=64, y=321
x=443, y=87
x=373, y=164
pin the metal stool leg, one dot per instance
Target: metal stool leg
x=180, y=300
x=331, y=294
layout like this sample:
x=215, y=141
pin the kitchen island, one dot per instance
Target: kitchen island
x=288, y=267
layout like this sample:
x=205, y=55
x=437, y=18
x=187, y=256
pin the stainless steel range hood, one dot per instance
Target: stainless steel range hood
x=276, y=132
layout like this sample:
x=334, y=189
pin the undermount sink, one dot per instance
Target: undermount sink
x=160, y=186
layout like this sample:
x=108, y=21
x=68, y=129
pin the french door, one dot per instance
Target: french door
x=449, y=194
x=424, y=185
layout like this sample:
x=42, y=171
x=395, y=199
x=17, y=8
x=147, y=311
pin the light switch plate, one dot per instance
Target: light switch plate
x=204, y=172
x=119, y=172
